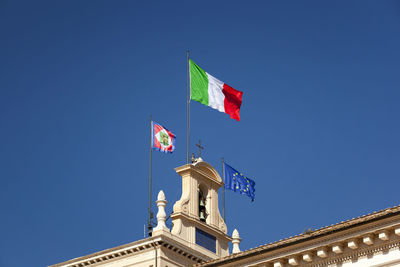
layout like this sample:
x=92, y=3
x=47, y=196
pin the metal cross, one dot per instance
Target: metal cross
x=200, y=148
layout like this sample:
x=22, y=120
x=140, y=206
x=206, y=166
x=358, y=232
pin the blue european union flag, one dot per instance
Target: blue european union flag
x=237, y=182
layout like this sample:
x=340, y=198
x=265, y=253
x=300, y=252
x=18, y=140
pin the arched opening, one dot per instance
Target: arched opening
x=202, y=206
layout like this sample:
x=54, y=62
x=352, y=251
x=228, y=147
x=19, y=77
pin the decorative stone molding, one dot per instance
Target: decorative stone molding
x=334, y=259
x=307, y=257
x=345, y=231
x=335, y=253
x=366, y=252
x=182, y=204
x=397, y=231
x=353, y=244
x=383, y=235
x=222, y=225
x=125, y=251
x=322, y=253
x=176, y=227
x=337, y=249
x=369, y=239
x=293, y=261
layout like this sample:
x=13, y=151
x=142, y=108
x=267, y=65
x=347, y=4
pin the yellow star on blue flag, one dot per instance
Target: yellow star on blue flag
x=237, y=182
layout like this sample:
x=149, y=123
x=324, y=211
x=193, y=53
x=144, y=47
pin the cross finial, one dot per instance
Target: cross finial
x=200, y=148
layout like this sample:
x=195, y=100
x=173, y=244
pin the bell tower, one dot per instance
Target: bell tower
x=196, y=218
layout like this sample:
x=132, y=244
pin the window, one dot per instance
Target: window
x=206, y=240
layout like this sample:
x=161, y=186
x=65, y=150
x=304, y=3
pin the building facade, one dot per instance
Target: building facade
x=199, y=236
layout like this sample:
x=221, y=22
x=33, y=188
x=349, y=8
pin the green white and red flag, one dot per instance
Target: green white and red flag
x=211, y=92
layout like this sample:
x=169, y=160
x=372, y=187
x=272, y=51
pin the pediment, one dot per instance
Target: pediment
x=208, y=170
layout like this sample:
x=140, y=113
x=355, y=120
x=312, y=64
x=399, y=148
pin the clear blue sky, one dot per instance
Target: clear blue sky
x=319, y=129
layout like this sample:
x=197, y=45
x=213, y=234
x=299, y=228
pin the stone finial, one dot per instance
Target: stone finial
x=161, y=215
x=160, y=196
x=235, y=241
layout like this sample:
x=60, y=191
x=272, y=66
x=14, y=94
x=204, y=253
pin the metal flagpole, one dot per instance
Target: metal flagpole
x=223, y=189
x=151, y=141
x=187, y=107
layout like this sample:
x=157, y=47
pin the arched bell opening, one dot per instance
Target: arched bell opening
x=202, y=204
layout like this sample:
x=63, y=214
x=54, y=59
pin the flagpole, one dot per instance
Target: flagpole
x=187, y=108
x=223, y=189
x=151, y=141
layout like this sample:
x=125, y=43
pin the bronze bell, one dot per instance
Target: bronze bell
x=202, y=216
x=202, y=204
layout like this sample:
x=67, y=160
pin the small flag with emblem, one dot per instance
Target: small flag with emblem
x=162, y=139
x=237, y=182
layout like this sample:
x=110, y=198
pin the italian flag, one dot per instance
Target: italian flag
x=211, y=92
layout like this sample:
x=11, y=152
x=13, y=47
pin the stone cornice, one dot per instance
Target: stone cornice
x=345, y=255
x=328, y=241
x=111, y=253
x=292, y=248
x=356, y=254
x=132, y=249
